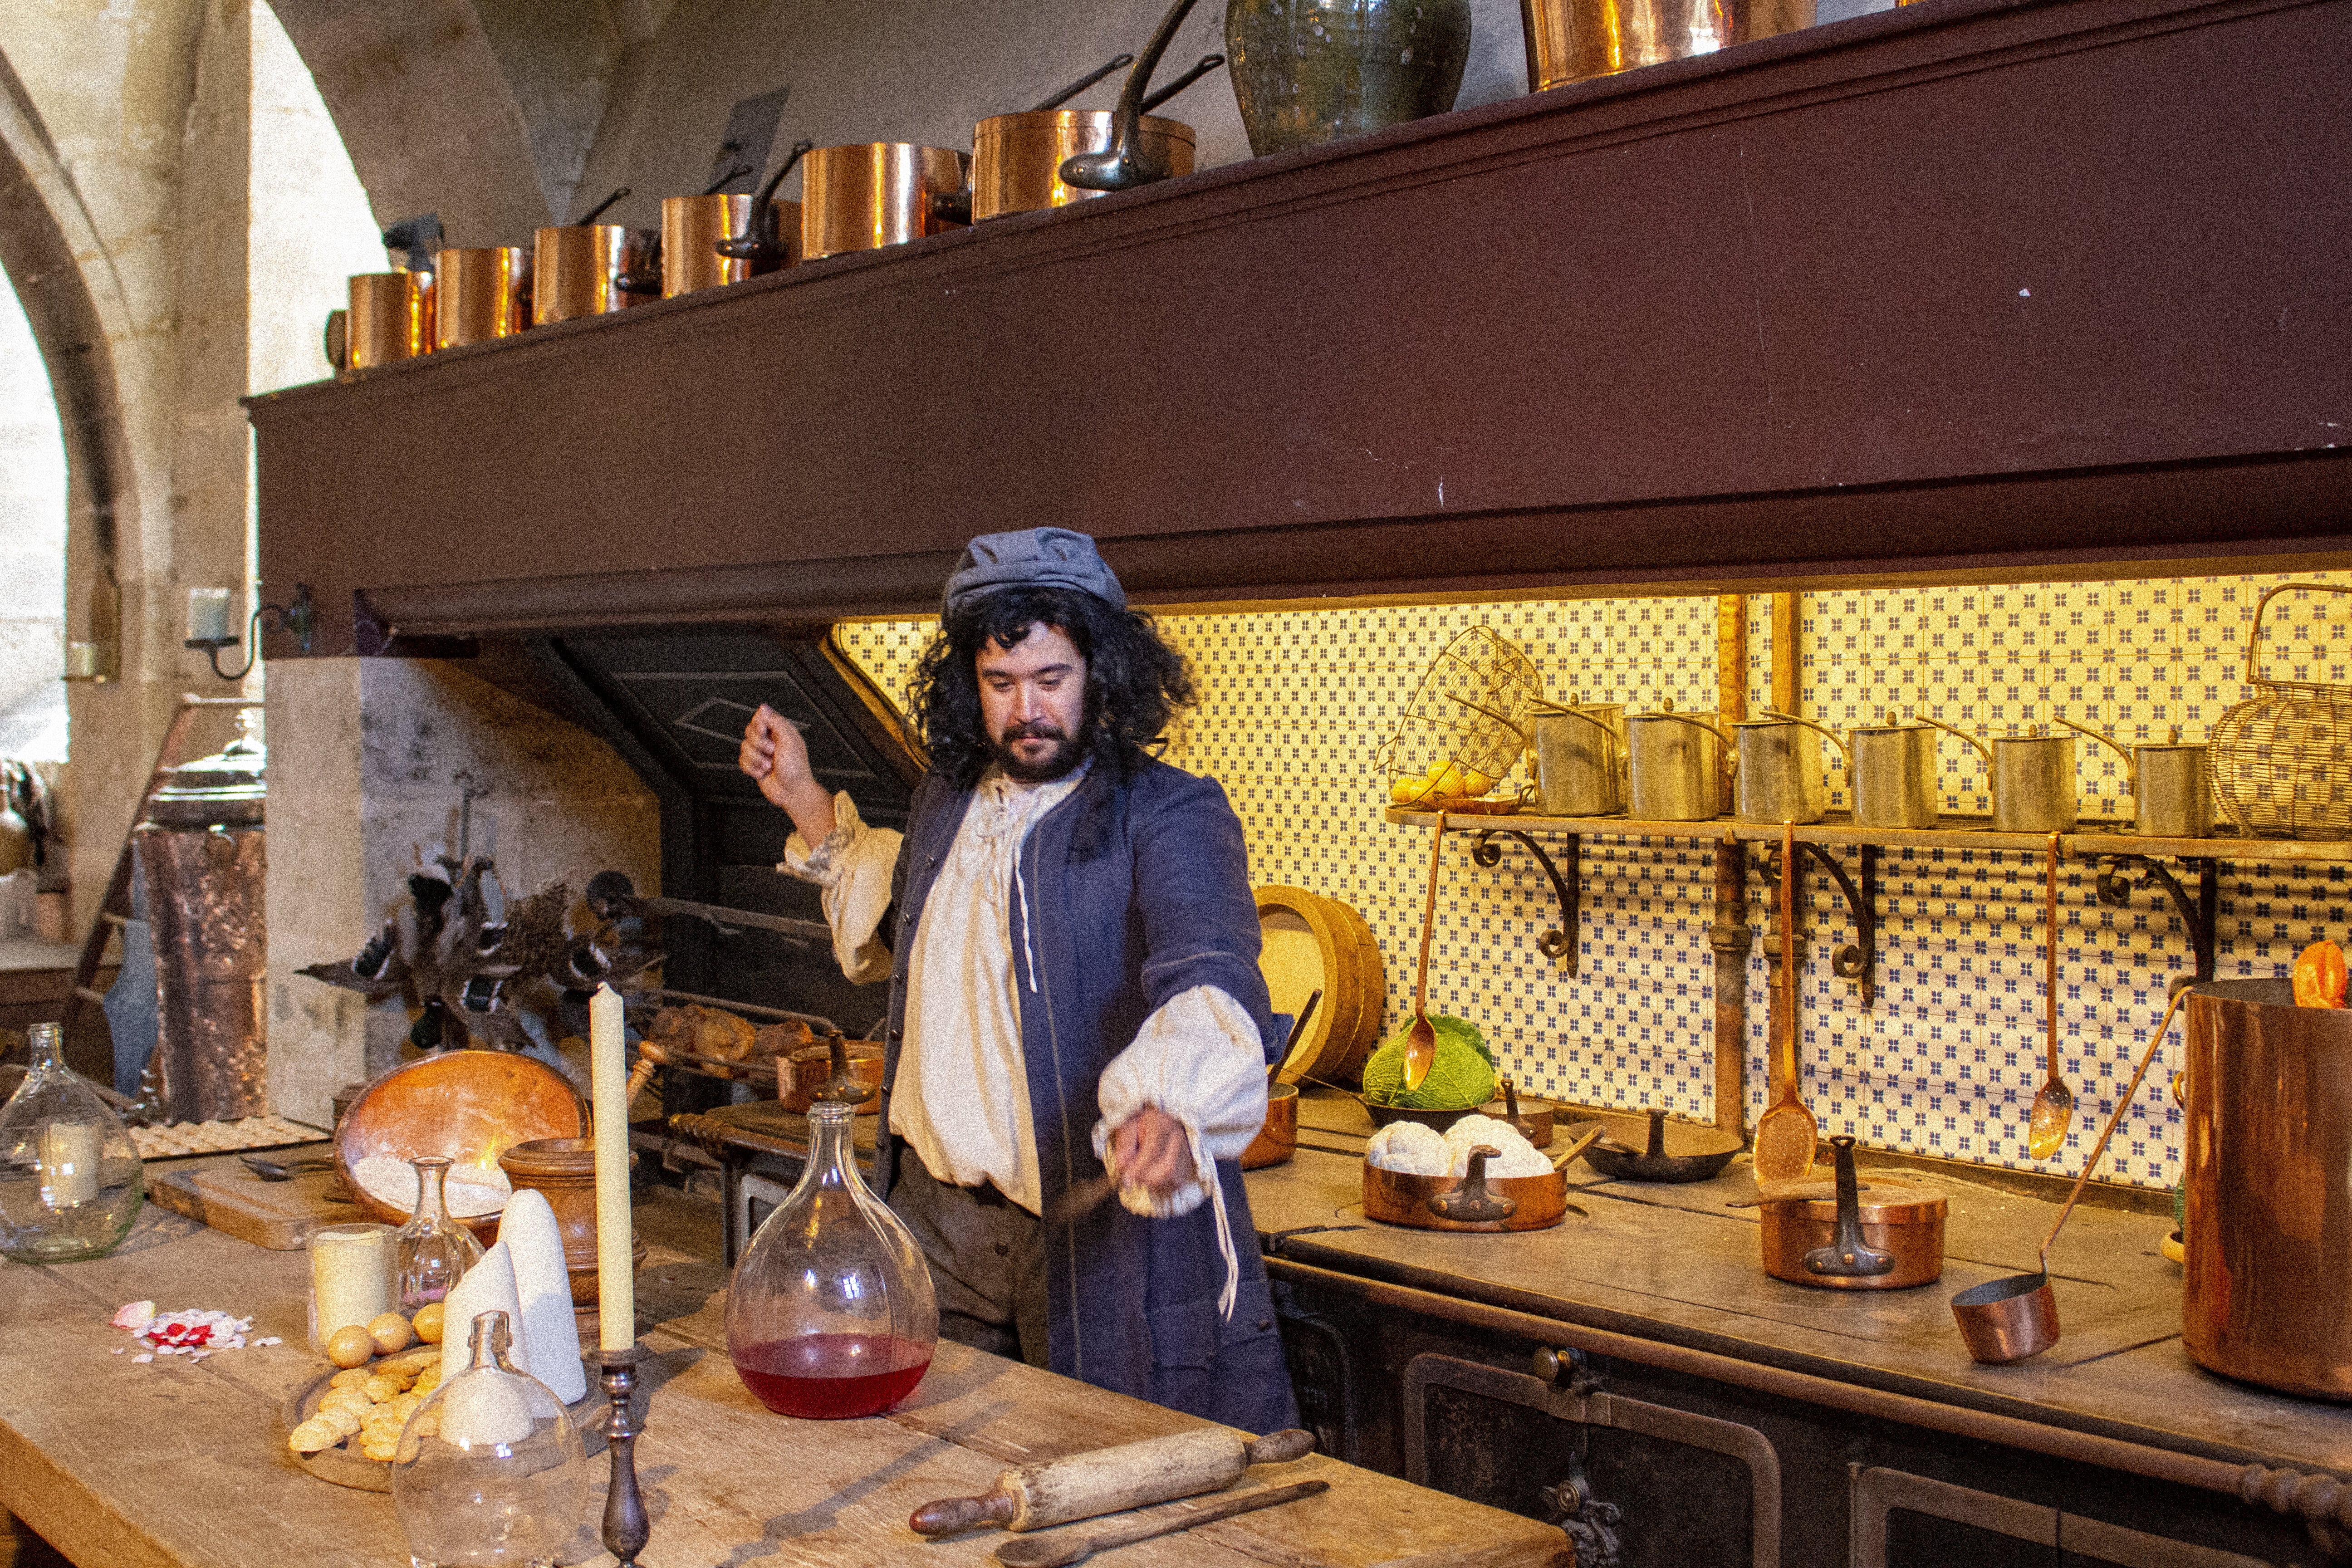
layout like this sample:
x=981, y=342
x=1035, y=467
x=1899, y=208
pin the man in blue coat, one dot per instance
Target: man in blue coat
x=1071, y=942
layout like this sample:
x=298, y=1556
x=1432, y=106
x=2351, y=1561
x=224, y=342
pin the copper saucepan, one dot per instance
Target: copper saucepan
x=390, y=318
x=693, y=227
x=868, y=195
x=481, y=293
x=1890, y=1242
x=1016, y=159
x=582, y=268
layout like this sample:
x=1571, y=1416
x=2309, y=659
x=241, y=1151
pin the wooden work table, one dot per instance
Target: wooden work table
x=1672, y=1265
x=178, y=1462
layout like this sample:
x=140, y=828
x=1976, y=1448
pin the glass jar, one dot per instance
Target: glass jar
x=830, y=1311
x=432, y=1251
x=71, y=1181
x=489, y=1469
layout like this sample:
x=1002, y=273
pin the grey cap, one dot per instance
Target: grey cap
x=1033, y=557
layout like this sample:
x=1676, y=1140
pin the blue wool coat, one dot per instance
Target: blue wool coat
x=1133, y=891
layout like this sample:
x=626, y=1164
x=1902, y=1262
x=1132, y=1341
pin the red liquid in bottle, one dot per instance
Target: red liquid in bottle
x=826, y=1376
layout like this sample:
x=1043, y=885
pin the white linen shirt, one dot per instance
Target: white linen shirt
x=961, y=1100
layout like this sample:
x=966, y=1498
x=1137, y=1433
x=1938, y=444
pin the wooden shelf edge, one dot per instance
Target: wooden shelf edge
x=2095, y=840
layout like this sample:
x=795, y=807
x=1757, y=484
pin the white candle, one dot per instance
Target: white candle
x=208, y=615
x=350, y=1278
x=69, y=1160
x=608, y=1079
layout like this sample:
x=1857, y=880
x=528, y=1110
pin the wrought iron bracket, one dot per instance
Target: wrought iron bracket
x=1858, y=960
x=1567, y=886
x=2114, y=887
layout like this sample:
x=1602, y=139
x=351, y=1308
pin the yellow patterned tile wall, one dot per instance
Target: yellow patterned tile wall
x=1298, y=703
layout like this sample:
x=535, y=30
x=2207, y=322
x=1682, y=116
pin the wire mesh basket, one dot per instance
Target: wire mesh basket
x=1468, y=722
x=2283, y=758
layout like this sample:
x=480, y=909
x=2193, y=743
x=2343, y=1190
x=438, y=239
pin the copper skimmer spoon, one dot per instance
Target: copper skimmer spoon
x=2053, y=1106
x=1787, y=1133
x=1421, y=1040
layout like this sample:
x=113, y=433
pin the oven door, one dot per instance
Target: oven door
x=1906, y=1520
x=1635, y=1485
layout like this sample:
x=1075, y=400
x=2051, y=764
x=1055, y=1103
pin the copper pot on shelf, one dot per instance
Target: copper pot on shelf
x=591, y=269
x=1016, y=159
x=390, y=318
x=481, y=293
x=711, y=241
x=869, y=194
x=1575, y=40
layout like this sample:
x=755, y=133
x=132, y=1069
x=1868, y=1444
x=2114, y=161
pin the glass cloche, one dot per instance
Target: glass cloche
x=831, y=1311
x=70, y=1181
x=490, y=1470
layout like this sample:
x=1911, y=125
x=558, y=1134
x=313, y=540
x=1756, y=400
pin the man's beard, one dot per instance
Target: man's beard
x=1056, y=764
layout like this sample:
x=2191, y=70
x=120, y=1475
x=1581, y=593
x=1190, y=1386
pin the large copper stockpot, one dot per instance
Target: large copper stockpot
x=391, y=319
x=868, y=195
x=692, y=229
x=576, y=269
x=481, y=294
x=1016, y=159
x=2267, y=1293
x=1571, y=40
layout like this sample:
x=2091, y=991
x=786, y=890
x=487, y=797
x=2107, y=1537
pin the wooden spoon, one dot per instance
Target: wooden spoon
x=1421, y=1040
x=1787, y=1133
x=2053, y=1106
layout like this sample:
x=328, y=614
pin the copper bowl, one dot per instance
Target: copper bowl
x=1276, y=1141
x=472, y=1106
x=1016, y=159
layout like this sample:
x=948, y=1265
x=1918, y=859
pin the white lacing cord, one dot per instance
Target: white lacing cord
x=1207, y=1170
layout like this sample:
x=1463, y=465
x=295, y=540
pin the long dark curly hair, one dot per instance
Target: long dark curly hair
x=1136, y=683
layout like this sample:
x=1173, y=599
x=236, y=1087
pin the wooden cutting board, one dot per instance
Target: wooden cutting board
x=221, y=1193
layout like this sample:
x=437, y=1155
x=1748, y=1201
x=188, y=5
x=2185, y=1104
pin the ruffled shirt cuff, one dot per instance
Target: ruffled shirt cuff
x=1199, y=1060
x=853, y=867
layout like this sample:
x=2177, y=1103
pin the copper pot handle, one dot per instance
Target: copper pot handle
x=760, y=244
x=1848, y=1256
x=1473, y=1202
x=1124, y=164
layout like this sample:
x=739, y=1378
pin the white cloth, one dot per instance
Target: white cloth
x=1198, y=1058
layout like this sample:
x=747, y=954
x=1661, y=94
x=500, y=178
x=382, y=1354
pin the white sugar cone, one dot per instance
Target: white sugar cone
x=550, y=1334
x=488, y=1287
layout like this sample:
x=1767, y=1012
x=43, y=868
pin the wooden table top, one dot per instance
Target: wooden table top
x=177, y=1462
x=1672, y=1264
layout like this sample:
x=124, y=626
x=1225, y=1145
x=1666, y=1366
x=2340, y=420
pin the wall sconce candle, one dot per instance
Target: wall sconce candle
x=208, y=617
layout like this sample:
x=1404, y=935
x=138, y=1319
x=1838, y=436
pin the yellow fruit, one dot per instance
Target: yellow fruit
x=390, y=1332
x=1474, y=782
x=428, y=1324
x=351, y=1345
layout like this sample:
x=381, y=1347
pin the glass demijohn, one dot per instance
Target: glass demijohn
x=831, y=1310
x=490, y=1469
x=70, y=1183
x=432, y=1251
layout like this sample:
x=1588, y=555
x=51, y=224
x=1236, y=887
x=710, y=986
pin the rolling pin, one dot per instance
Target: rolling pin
x=1110, y=1480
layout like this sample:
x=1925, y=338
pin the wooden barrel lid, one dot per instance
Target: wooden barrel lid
x=1310, y=942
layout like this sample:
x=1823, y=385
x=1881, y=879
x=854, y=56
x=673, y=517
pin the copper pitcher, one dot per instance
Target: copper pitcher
x=868, y=195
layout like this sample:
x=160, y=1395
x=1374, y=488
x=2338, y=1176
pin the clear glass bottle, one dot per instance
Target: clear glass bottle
x=432, y=1251
x=831, y=1310
x=489, y=1469
x=70, y=1181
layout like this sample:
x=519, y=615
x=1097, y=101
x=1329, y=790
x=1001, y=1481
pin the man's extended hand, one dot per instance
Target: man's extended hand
x=774, y=755
x=1150, y=1149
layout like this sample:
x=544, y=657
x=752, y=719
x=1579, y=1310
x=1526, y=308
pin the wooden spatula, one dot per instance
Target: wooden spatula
x=1787, y=1133
x=1421, y=1040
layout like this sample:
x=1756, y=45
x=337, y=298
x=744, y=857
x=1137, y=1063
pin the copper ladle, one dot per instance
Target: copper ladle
x=1421, y=1040
x=2008, y=1320
x=2053, y=1106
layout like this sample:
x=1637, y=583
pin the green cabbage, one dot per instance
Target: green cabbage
x=1462, y=1077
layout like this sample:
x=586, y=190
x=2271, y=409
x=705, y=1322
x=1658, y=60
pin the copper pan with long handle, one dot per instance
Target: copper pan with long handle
x=1016, y=159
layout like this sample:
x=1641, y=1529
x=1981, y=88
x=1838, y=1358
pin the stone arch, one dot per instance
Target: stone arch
x=481, y=113
x=43, y=228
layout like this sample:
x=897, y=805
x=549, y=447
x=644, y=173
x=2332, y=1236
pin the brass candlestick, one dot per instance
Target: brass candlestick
x=626, y=1528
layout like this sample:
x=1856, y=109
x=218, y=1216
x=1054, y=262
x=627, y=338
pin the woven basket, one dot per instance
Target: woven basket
x=2283, y=758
